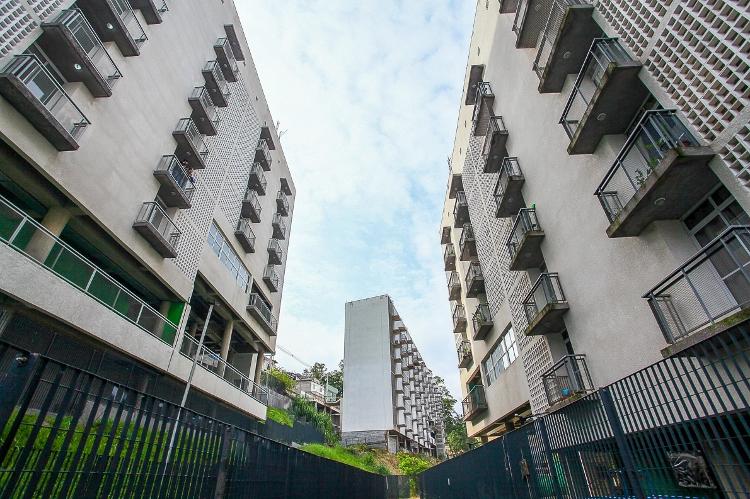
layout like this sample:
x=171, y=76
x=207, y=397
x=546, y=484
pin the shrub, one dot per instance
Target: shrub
x=280, y=381
x=411, y=465
x=304, y=409
x=280, y=416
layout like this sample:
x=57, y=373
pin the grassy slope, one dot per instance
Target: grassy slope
x=367, y=460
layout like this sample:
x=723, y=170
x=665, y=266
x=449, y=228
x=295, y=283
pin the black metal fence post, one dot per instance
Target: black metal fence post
x=13, y=384
x=541, y=425
x=223, y=469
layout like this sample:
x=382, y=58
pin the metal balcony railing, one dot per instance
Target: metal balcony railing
x=710, y=289
x=258, y=307
x=216, y=83
x=212, y=362
x=568, y=378
x=481, y=321
x=454, y=286
x=459, y=319
x=545, y=291
x=449, y=258
x=245, y=235
x=257, y=179
x=186, y=128
x=552, y=31
x=460, y=209
x=463, y=349
x=225, y=56
x=484, y=90
x=51, y=103
x=175, y=179
x=525, y=222
x=658, y=132
x=474, y=402
x=131, y=22
x=467, y=242
x=153, y=216
x=275, y=253
x=203, y=96
x=30, y=238
x=474, y=280
x=507, y=192
x=279, y=226
x=495, y=139
x=271, y=277
x=251, y=206
x=445, y=235
x=285, y=187
x=282, y=204
x=263, y=154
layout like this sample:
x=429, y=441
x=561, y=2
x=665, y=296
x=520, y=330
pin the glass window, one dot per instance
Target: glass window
x=501, y=357
x=228, y=257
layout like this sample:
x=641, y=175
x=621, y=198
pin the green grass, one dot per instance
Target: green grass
x=280, y=416
x=364, y=460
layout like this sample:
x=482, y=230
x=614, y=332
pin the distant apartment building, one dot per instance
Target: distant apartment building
x=390, y=399
x=144, y=196
x=324, y=396
x=597, y=201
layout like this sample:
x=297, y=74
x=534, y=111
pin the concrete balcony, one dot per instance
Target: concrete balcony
x=459, y=319
x=260, y=310
x=115, y=21
x=275, y=253
x=455, y=184
x=482, y=321
x=279, y=226
x=245, y=235
x=460, y=210
x=567, y=380
x=468, y=245
x=445, y=235
x=606, y=96
x=271, y=278
x=151, y=10
x=285, y=188
x=474, y=403
x=158, y=229
x=234, y=41
x=508, y=6
x=508, y=197
x=282, y=204
x=77, y=52
x=190, y=144
x=483, y=108
x=257, y=179
x=263, y=155
x=524, y=243
x=205, y=113
x=449, y=258
x=564, y=43
x=545, y=306
x=493, y=149
x=226, y=60
x=176, y=187
x=474, y=280
x=216, y=83
x=454, y=286
x=531, y=17
x=251, y=206
x=35, y=93
x=661, y=172
x=465, y=358
x=476, y=72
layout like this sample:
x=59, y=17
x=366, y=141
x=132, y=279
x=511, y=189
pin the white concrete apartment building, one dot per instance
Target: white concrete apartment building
x=390, y=399
x=144, y=195
x=599, y=147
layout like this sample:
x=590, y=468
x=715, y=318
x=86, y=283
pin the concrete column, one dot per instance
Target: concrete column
x=226, y=341
x=258, y=366
x=41, y=243
x=159, y=325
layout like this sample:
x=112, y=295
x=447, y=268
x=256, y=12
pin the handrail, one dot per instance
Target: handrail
x=214, y=68
x=72, y=19
x=474, y=271
x=527, y=221
x=195, y=137
x=258, y=303
x=550, y=283
x=172, y=166
x=243, y=225
x=257, y=170
x=168, y=228
x=467, y=235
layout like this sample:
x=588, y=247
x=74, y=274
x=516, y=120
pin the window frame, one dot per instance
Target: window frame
x=501, y=356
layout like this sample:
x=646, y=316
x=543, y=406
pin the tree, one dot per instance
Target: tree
x=318, y=371
x=456, y=437
x=336, y=378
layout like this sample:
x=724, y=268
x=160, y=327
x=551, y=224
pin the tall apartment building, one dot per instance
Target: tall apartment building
x=144, y=196
x=390, y=398
x=597, y=181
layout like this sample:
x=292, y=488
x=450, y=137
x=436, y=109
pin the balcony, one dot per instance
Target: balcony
x=449, y=258
x=508, y=197
x=494, y=150
x=474, y=280
x=524, y=243
x=482, y=321
x=508, y=6
x=275, y=253
x=216, y=84
x=245, y=235
x=234, y=41
x=190, y=145
x=465, y=358
x=545, y=306
x=531, y=18
x=710, y=292
x=263, y=155
x=259, y=309
x=251, y=206
x=459, y=319
x=460, y=210
x=257, y=179
x=282, y=204
x=158, y=229
x=271, y=278
x=567, y=380
x=483, y=108
x=279, y=226
x=454, y=287
x=475, y=77
x=660, y=173
x=606, y=96
x=226, y=60
x=151, y=10
x=445, y=235
x=455, y=185
x=71, y=44
x=285, y=188
x=474, y=403
x=467, y=244
x=37, y=95
x=566, y=39
x=115, y=21
x=176, y=188
x=205, y=114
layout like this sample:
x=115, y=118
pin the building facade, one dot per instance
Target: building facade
x=390, y=398
x=145, y=201
x=599, y=165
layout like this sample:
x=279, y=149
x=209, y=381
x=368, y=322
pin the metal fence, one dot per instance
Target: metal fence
x=66, y=432
x=679, y=428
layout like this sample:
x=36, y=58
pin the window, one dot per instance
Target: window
x=501, y=356
x=228, y=257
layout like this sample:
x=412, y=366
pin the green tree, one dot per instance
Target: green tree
x=318, y=371
x=455, y=429
x=336, y=378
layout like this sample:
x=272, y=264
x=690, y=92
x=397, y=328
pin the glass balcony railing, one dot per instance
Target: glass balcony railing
x=508, y=199
x=154, y=224
x=545, y=305
x=205, y=112
x=177, y=185
x=567, y=379
x=524, y=240
x=225, y=56
x=27, y=236
x=216, y=83
x=258, y=307
x=474, y=402
x=129, y=19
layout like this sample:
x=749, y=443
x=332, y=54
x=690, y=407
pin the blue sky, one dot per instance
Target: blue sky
x=367, y=94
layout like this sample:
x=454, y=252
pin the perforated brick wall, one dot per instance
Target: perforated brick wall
x=634, y=21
